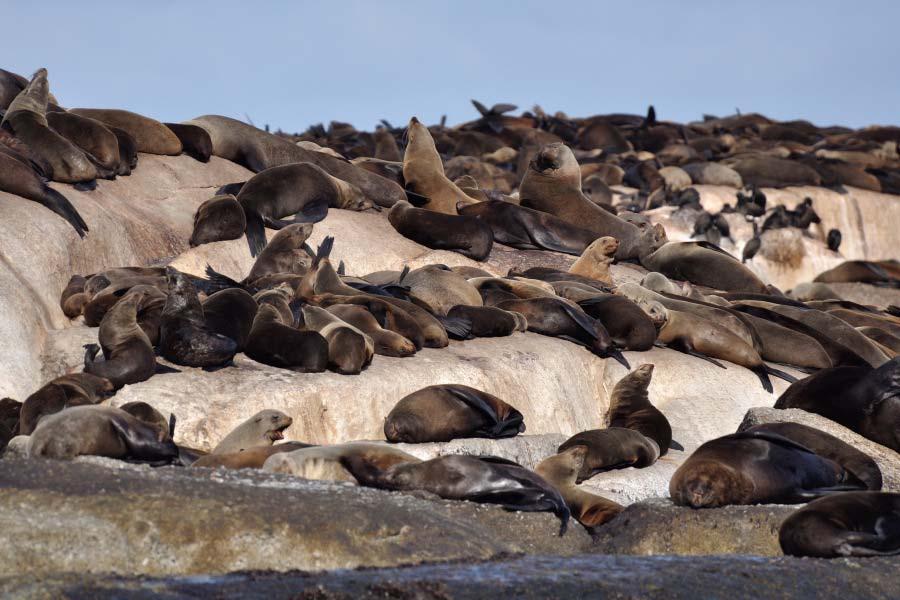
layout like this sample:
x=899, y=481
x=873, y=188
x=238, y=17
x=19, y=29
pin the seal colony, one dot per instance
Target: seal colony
x=537, y=183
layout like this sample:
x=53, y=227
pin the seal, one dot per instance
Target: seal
x=612, y=448
x=251, y=458
x=75, y=389
x=386, y=146
x=349, y=349
x=748, y=468
x=470, y=236
x=390, y=317
x=274, y=342
x=9, y=421
x=439, y=289
x=862, y=271
x=630, y=407
x=441, y=413
x=824, y=444
x=702, y=263
x=218, y=219
x=882, y=337
x=151, y=416
x=476, y=479
x=73, y=298
x=488, y=321
x=26, y=117
x=561, y=471
x=424, y=175
x=128, y=152
x=863, y=399
x=195, y=141
x=262, y=429
x=258, y=151
x=594, y=262
x=769, y=171
x=387, y=342
x=150, y=135
x=184, y=337
x=99, y=143
x=326, y=462
x=230, y=313
x=100, y=431
x=628, y=326
x=849, y=524
x=527, y=229
x=552, y=184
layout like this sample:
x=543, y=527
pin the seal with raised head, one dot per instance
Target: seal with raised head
x=849, y=524
x=218, y=219
x=595, y=260
x=75, y=389
x=470, y=236
x=441, y=413
x=612, y=448
x=756, y=468
x=274, y=341
x=262, y=429
x=423, y=172
x=195, y=141
x=127, y=351
x=151, y=136
x=630, y=407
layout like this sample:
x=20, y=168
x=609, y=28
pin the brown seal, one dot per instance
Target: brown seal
x=195, y=141
x=99, y=143
x=387, y=342
x=262, y=429
x=151, y=136
x=386, y=147
x=882, y=337
x=441, y=413
x=251, y=458
x=849, y=524
x=467, y=235
x=230, y=313
x=628, y=326
x=73, y=298
x=390, y=317
x=423, y=172
x=100, y=431
x=630, y=407
x=274, y=341
x=218, y=219
x=594, y=262
x=439, y=289
x=287, y=253
x=128, y=152
x=349, y=349
x=489, y=321
x=326, y=462
x=862, y=271
x=561, y=471
x=748, y=468
x=770, y=171
x=75, y=389
x=702, y=263
x=612, y=448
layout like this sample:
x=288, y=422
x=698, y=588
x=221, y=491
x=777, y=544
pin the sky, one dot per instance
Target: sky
x=292, y=64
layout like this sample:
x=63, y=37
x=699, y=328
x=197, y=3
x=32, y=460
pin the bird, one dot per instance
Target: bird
x=752, y=246
x=834, y=239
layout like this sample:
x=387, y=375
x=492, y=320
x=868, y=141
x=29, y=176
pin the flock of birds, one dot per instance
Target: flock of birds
x=516, y=181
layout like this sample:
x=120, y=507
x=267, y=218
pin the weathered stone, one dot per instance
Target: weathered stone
x=527, y=450
x=887, y=459
x=657, y=527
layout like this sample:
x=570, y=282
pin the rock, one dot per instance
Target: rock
x=888, y=460
x=527, y=450
x=630, y=485
x=201, y=521
x=657, y=526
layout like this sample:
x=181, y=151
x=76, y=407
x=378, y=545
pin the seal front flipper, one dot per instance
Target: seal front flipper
x=61, y=206
x=673, y=445
x=162, y=369
x=218, y=281
x=255, y=232
x=142, y=441
x=617, y=355
x=763, y=377
x=86, y=186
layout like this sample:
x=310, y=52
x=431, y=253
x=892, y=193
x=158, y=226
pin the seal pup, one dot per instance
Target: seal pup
x=251, y=458
x=528, y=229
x=594, y=262
x=756, y=468
x=849, y=524
x=275, y=342
x=476, y=479
x=327, y=462
x=100, y=431
x=349, y=349
x=630, y=407
x=230, y=313
x=470, y=236
x=612, y=448
x=128, y=354
x=262, y=429
x=184, y=337
x=195, y=141
x=441, y=413
x=75, y=389
x=387, y=342
x=150, y=135
x=702, y=263
x=561, y=471
x=423, y=172
x=218, y=219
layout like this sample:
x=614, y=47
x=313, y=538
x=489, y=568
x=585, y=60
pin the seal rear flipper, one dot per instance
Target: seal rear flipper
x=141, y=441
x=893, y=310
x=456, y=327
x=580, y=317
x=773, y=438
x=527, y=500
x=59, y=204
x=86, y=186
x=323, y=251
x=691, y=352
x=673, y=445
x=763, y=375
x=162, y=369
x=780, y=374
x=813, y=493
x=617, y=356
x=544, y=239
x=255, y=232
x=476, y=401
x=217, y=281
x=884, y=542
x=417, y=200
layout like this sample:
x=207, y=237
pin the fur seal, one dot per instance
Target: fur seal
x=349, y=349
x=100, y=431
x=628, y=326
x=756, y=468
x=561, y=471
x=258, y=150
x=128, y=152
x=262, y=429
x=552, y=184
x=386, y=146
x=9, y=421
x=275, y=342
x=630, y=407
x=862, y=271
x=702, y=263
x=184, y=337
x=595, y=260
x=73, y=298
x=151, y=416
x=862, y=399
x=439, y=289
x=470, y=236
x=422, y=329
x=387, y=342
x=75, y=389
x=151, y=136
x=27, y=118
x=99, y=143
x=128, y=354
x=230, y=313
x=218, y=219
x=707, y=173
x=882, y=337
x=849, y=524
x=824, y=444
x=612, y=448
x=251, y=458
x=441, y=413
x=527, y=229
x=195, y=141
x=489, y=321
x=423, y=172
x=326, y=462
x=476, y=479
x=770, y=171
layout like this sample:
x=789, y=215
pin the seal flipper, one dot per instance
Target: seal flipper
x=456, y=327
x=763, y=377
x=526, y=500
x=544, y=239
x=59, y=204
x=218, y=281
x=585, y=321
x=162, y=369
x=673, y=445
x=813, y=493
x=508, y=427
x=417, y=200
x=617, y=355
x=141, y=441
x=86, y=186
x=255, y=232
x=780, y=374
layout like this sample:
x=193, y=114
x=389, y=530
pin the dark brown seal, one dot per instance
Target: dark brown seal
x=151, y=136
x=441, y=413
x=274, y=342
x=630, y=407
x=628, y=326
x=612, y=448
x=230, y=313
x=219, y=218
x=489, y=321
x=75, y=389
x=467, y=235
x=128, y=354
x=702, y=263
x=99, y=143
x=387, y=342
x=195, y=141
x=73, y=298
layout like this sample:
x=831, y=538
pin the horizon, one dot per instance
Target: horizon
x=303, y=64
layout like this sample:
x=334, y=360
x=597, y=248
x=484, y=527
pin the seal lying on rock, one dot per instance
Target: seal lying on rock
x=274, y=341
x=75, y=389
x=328, y=462
x=467, y=235
x=251, y=458
x=218, y=219
x=703, y=263
x=262, y=429
x=387, y=342
x=441, y=413
x=612, y=448
x=349, y=349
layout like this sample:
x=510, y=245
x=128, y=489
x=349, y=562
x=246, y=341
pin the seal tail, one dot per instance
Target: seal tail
x=61, y=206
x=457, y=327
x=256, y=232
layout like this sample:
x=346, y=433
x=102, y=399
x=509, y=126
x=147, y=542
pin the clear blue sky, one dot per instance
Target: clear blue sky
x=291, y=64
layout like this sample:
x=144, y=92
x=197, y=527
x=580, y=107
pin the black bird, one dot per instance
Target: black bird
x=721, y=224
x=702, y=224
x=752, y=246
x=778, y=219
x=804, y=215
x=834, y=239
x=753, y=205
